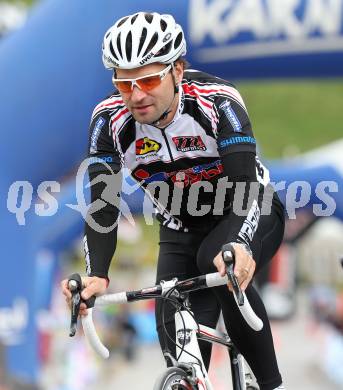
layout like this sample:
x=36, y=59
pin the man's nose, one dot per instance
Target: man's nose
x=137, y=94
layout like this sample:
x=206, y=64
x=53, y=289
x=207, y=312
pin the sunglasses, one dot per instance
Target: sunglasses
x=145, y=83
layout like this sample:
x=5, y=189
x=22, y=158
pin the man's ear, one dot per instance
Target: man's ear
x=178, y=71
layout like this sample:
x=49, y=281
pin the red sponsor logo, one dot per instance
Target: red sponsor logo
x=184, y=177
x=193, y=175
x=189, y=143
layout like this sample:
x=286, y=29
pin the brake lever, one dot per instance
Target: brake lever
x=228, y=253
x=75, y=287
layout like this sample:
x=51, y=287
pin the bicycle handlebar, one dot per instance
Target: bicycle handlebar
x=246, y=310
x=200, y=282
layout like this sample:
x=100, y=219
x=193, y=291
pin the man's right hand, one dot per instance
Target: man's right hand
x=93, y=285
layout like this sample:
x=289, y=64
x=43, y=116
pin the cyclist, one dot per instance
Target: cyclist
x=188, y=132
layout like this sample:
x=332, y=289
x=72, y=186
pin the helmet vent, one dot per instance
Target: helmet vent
x=163, y=25
x=108, y=34
x=151, y=44
x=122, y=21
x=112, y=51
x=148, y=17
x=134, y=18
x=165, y=49
x=119, y=45
x=128, y=46
x=178, y=40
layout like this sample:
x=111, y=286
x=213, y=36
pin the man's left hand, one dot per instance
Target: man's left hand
x=244, y=266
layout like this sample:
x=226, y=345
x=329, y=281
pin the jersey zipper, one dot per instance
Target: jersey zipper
x=168, y=146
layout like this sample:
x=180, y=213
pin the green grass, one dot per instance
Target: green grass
x=27, y=2
x=299, y=114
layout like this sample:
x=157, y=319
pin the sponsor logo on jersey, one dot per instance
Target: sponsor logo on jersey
x=237, y=140
x=100, y=159
x=189, y=143
x=184, y=177
x=142, y=174
x=198, y=173
x=146, y=145
x=231, y=116
x=96, y=132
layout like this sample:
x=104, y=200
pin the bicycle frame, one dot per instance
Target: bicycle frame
x=188, y=332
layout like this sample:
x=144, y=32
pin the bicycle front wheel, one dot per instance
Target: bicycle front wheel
x=173, y=378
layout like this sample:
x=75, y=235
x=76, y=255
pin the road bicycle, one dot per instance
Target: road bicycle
x=187, y=370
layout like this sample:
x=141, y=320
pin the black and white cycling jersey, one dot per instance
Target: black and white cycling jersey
x=182, y=167
x=211, y=121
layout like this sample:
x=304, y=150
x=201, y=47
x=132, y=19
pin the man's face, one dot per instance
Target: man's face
x=147, y=107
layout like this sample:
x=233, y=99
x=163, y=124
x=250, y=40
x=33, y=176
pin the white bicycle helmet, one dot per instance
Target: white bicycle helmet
x=141, y=39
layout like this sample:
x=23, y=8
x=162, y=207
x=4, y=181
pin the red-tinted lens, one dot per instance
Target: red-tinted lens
x=144, y=83
x=148, y=83
x=123, y=86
